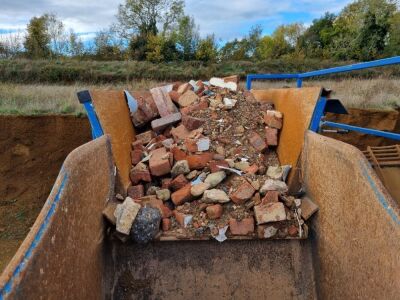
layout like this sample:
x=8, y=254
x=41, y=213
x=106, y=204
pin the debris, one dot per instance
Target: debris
x=273, y=118
x=215, y=196
x=188, y=98
x=274, y=185
x=214, y=211
x=182, y=195
x=198, y=189
x=125, y=215
x=136, y=191
x=215, y=178
x=270, y=231
x=146, y=225
x=219, y=82
x=229, y=103
x=159, y=125
x=243, y=193
x=163, y=194
x=160, y=162
x=220, y=237
x=203, y=144
x=180, y=167
x=243, y=227
x=271, y=212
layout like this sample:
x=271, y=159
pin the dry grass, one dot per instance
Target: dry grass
x=356, y=93
x=61, y=99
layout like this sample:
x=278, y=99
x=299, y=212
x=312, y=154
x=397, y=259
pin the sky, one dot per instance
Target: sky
x=225, y=19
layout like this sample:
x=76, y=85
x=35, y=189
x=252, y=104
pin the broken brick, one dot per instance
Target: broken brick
x=178, y=153
x=179, y=217
x=163, y=102
x=139, y=173
x=166, y=224
x=271, y=212
x=147, y=109
x=257, y=141
x=166, y=183
x=178, y=182
x=160, y=162
x=293, y=230
x=215, y=163
x=145, y=137
x=187, y=98
x=243, y=193
x=174, y=95
x=271, y=135
x=182, y=195
x=203, y=104
x=252, y=169
x=180, y=133
x=136, y=191
x=191, y=145
x=161, y=124
x=199, y=161
x=192, y=123
x=243, y=227
x=183, y=88
x=214, y=211
x=136, y=156
x=270, y=197
x=273, y=118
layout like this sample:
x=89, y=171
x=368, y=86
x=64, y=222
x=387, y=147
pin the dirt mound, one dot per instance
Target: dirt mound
x=33, y=149
x=375, y=119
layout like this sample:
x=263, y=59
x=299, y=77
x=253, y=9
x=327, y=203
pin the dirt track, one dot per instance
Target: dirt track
x=33, y=149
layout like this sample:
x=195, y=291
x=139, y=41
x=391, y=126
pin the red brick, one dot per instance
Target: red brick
x=179, y=217
x=136, y=191
x=273, y=119
x=163, y=102
x=252, y=169
x=192, y=123
x=232, y=78
x=191, y=145
x=147, y=109
x=187, y=99
x=165, y=211
x=271, y=135
x=293, y=230
x=139, y=174
x=182, y=195
x=243, y=193
x=203, y=104
x=214, y=211
x=161, y=124
x=183, y=88
x=176, y=85
x=136, y=156
x=160, y=162
x=270, y=197
x=137, y=145
x=243, y=227
x=215, y=163
x=180, y=133
x=257, y=141
x=174, y=95
x=199, y=161
x=178, y=182
x=166, y=224
x=166, y=183
x=178, y=153
x=145, y=137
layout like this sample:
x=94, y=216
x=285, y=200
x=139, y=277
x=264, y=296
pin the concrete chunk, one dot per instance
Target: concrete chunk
x=125, y=215
x=271, y=212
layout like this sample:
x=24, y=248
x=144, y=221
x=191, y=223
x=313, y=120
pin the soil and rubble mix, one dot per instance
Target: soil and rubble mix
x=205, y=166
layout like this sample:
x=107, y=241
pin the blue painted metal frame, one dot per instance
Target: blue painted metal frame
x=354, y=67
x=97, y=131
x=319, y=111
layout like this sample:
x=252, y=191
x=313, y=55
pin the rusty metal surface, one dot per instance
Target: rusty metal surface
x=210, y=270
x=62, y=256
x=114, y=116
x=357, y=228
x=297, y=106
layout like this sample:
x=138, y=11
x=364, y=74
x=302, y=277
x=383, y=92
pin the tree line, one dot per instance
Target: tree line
x=160, y=31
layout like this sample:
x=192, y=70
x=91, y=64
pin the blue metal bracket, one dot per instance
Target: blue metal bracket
x=85, y=98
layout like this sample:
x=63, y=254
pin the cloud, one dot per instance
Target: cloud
x=225, y=19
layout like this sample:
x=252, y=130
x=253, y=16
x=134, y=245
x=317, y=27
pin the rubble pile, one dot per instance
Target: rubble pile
x=204, y=166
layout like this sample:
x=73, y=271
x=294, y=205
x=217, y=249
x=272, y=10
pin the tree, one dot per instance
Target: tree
x=141, y=17
x=106, y=47
x=75, y=47
x=58, y=35
x=393, y=41
x=187, y=37
x=234, y=50
x=207, y=49
x=37, y=40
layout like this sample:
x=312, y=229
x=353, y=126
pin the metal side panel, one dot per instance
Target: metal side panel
x=62, y=256
x=357, y=227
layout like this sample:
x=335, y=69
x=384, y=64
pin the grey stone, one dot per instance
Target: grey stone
x=215, y=178
x=274, y=185
x=271, y=212
x=125, y=215
x=163, y=194
x=146, y=225
x=215, y=196
x=198, y=189
x=270, y=231
x=180, y=167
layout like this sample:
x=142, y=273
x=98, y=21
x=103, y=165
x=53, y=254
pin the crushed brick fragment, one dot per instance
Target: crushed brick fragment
x=243, y=227
x=161, y=124
x=182, y=195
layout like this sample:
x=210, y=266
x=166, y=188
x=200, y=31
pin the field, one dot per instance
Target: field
x=27, y=99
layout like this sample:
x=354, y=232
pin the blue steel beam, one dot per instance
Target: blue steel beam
x=385, y=134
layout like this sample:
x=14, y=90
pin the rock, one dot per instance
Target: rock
x=203, y=144
x=152, y=190
x=273, y=185
x=187, y=98
x=215, y=196
x=120, y=197
x=192, y=175
x=182, y=195
x=136, y=156
x=146, y=225
x=178, y=153
x=273, y=118
x=203, y=104
x=243, y=193
x=271, y=212
x=229, y=103
x=308, y=208
x=275, y=172
x=215, y=178
x=161, y=124
x=243, y=227
x=214, y=211
x=160, y=162
x=242, y=165
x=183, y=88
x=125, y=215
x=230, y=162
x=180, y=167
x=220, y=150
x=253, y=169
x=163, y=194
x=270, y=231
x=198, y=189
x=257, y=141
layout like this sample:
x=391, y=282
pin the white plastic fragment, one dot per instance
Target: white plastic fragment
x=219, y=82
x=221, y=234
x=187, y=220
x=203, y=144
x=229, y=103
x=231, y=170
